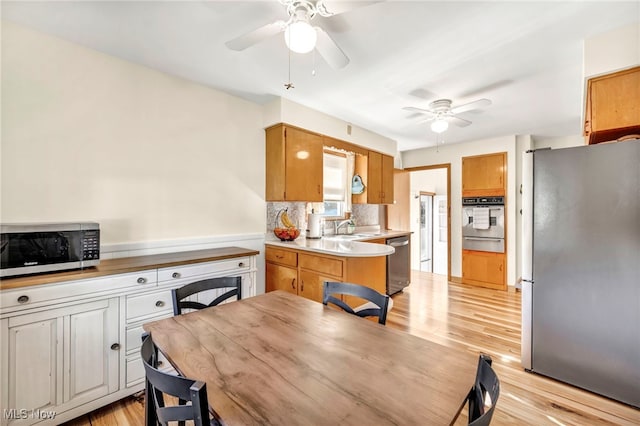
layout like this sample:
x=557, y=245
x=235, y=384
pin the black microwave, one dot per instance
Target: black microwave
x=30, y=248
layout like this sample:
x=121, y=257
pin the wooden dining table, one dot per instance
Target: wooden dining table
x=280, y=359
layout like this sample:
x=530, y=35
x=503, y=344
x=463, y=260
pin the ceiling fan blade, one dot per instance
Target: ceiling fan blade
x=332, y=8
x=471, y=106
x=460, y=122
x=420, y=111
x=330, y=51
x=256, y=36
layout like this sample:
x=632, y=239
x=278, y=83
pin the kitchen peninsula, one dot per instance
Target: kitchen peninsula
x=301, y=266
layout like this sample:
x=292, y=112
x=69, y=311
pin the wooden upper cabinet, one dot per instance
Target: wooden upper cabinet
x=613, y=106
x=377, y=177
x=293, y=164
x=484, y=175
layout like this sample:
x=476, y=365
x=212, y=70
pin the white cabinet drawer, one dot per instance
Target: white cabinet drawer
x=134, y=333
x=148, y=304
x=30, y=297
x=218, y=268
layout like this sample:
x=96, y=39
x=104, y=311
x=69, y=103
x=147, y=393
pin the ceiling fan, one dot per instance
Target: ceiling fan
x=441, y=113
x=299, y=35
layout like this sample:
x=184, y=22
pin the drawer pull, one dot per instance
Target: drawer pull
x=293, y=283
x=159, y=303
x=302, y=286
x=115, y=347
x=279, y=256
x=175, y=275
x=241, y=265
x=142, y=280
x=23, y=299
x=160, y=363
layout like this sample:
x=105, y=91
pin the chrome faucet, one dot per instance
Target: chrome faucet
x=337, y=224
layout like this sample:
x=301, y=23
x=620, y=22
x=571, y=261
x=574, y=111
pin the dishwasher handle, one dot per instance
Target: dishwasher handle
x=497, y=240
x=399, y=243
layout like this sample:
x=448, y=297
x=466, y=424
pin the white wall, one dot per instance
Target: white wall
x=612, y=51
x=453, y=154
x=286, y=111
x=86, y=136
x=557, y=143
x=427, y=181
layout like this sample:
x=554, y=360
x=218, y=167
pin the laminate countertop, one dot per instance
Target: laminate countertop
x=129, y=264
x=345, y=245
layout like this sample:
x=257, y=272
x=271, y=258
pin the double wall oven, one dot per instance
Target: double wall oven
x=483, y=224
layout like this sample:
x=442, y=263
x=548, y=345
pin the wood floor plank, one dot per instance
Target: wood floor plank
x=475, y=320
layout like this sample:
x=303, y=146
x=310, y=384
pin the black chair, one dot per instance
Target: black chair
x=157, y=384
x=381, y=301
x=209, y=284
x=487, y=383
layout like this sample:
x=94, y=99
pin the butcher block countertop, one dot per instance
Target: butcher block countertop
x=129, y=264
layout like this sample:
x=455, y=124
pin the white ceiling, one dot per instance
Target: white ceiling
x=524, y=56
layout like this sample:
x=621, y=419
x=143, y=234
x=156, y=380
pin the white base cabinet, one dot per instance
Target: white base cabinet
x=73, y=347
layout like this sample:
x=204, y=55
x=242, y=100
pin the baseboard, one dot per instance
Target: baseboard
x=457, y=280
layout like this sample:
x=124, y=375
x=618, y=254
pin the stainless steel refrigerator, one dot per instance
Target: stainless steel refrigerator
x=581, y=267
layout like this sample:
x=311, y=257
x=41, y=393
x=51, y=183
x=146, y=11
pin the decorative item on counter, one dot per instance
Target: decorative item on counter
x=357, y=186
x=288, y=231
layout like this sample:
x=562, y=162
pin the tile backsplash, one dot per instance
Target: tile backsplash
x=363, y=214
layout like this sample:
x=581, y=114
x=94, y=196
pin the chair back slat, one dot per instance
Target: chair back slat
x=486, y=383
x=234, y=284
x=357, y=290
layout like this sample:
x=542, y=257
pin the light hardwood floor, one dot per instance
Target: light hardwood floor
x=474, y=320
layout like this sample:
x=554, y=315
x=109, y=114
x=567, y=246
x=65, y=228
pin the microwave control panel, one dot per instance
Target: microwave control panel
x=91, y=245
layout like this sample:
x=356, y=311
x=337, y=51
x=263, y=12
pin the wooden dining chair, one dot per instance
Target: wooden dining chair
x=179, y=294
x=158, y=384
x=486, y=384
x=380, y=301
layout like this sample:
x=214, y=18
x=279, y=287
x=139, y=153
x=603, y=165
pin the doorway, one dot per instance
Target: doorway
x=426, y=231
x=431, y=218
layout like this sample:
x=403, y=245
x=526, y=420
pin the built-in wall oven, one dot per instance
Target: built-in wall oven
x=483, y=224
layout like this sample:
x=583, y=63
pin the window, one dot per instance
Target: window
x=335, y=177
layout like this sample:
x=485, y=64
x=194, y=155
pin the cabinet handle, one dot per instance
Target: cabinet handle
x=293, y=283
x=302, y=285
x=159, y=303
x=279, y=256
x=500, y=268
x=241, y=265
x=175, y=275
x=319, y=190
x=115, y=347
x=160, y=363
x=142, y=280
x=23, y=299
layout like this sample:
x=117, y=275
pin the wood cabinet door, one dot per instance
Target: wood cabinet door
x=484, y=175
x=303, y=163
x=278, y=277
x=484, y=269
x=387, y=180
x=615, y=100
x=312, y=285
x=398, y=213
x=374, y=186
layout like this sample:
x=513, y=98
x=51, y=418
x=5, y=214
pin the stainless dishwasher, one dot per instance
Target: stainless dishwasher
x=398, y=267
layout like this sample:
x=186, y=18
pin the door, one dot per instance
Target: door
x=32, y=365
x=440, y=233
x=426, y=233
x=280, y=277
x=92, y=350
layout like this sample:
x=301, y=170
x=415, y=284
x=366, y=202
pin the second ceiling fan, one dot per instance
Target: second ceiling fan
x=441, y=113
x=299, y=35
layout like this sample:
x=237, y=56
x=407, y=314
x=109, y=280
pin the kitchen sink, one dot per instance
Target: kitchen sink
x=358, y=236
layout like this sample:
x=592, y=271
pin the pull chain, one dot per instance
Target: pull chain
x=289, y=85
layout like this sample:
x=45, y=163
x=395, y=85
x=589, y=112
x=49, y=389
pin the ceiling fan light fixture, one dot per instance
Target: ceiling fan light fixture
x=300, y=36
x=440, y=125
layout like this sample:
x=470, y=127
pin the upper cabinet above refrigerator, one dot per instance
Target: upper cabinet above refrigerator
x=612, y=106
